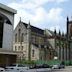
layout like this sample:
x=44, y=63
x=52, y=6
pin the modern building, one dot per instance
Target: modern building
x=7, y=55
x=32, y=42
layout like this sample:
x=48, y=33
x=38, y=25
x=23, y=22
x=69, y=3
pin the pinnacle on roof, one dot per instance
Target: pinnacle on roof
x=59, y=32
x=67, y=19
x=62, y=33
x=55, y=31
x=29, y=26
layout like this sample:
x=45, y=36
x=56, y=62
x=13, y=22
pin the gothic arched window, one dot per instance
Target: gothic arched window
x=22, y=38
x=33, y=52
x=16, y=37
x=19, y=37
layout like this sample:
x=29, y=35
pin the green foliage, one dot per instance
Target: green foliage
x=49, y=62
x=67, y=62
x=27, y=62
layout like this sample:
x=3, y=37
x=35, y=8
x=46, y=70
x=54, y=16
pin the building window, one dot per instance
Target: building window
x=15, y=37
x=19, y=31
x=33, y=52
x=15, y=48
x=22, y=38
x=22, y=48
x=33, y=39
x=19, y=48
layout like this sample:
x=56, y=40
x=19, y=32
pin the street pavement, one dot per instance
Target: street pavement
x=66, y=69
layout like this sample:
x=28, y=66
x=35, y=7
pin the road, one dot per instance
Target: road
x=67, y=69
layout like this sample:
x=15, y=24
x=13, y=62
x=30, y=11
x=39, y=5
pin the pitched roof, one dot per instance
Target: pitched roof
x=51, y=32
x=34, y=29
x=37, y=30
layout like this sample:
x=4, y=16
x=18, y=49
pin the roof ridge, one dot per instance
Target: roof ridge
x=34, y=29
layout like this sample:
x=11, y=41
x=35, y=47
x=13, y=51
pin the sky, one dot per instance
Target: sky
x=44, y=14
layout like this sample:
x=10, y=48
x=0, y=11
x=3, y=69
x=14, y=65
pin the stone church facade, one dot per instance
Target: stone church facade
x=38, y=44
x=69, y=37
x=62, y=43
x=32, y=42
x=59, y=43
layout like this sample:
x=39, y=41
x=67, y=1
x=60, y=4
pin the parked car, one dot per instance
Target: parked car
x=40, y=66
x=58, y=66
x=61, y=66
x=55, y=66
x=2, y=69
x=16, y=67
x=46, y=66
x=36, y=66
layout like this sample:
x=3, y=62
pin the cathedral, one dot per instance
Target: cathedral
x=38, y=44
x=32, y=42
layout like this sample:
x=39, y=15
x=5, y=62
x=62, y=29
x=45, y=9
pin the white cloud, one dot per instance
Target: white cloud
x=18, y=6
x=61, y=1
x=31, y=4
x=41, y=2
x=57, y=27
x=55, y=14
x=39, y=16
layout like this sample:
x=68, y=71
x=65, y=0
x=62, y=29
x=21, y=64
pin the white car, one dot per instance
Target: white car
x=16, y=67
x=55, y=66
x=2, y=69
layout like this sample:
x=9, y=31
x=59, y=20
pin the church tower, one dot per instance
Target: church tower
x=67, y=24
x=69, y=27
x=69, y=37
